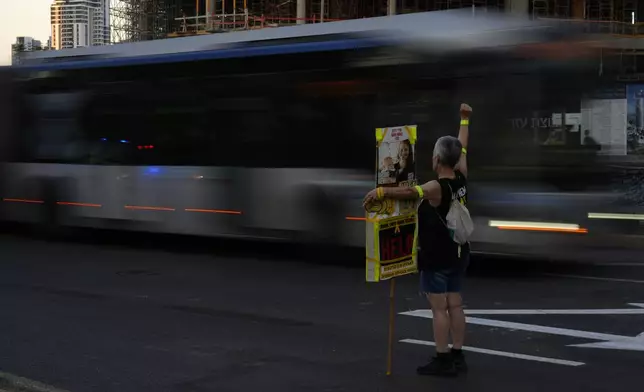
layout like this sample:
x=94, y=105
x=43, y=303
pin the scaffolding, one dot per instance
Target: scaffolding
x=603, y=12
x=607, y=17
x=562, y=8
x=476, y=4
x=630, y=59
x=541, y=9
x=551, y=8
x=626, y=11
x=136, y=20
x=211, y=16
x=600, y=16
x=142, y=20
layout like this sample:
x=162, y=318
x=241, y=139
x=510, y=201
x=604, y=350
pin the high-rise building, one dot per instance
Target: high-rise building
x=27, y=44
x=78, y=23
x=23, y=44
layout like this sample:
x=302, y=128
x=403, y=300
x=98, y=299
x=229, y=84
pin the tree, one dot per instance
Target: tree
x=16, y=50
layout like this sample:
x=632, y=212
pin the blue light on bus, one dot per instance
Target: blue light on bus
x=124, y=141
x=103, y=139
x=153, y=170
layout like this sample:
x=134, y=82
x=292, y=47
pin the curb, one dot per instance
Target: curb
x=12, y=383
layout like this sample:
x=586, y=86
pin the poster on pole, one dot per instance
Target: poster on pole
x=392, y=228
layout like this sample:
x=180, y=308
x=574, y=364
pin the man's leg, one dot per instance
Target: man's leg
x=457, y=318
x=438, y=303
x=457, y=324
x=434, y=285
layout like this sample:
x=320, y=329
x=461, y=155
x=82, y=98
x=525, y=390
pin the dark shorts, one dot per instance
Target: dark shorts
x=444, y=280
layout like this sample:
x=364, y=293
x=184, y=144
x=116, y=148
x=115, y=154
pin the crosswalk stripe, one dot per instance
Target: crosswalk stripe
x=502, y=353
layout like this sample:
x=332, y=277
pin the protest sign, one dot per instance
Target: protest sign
x=392, y=224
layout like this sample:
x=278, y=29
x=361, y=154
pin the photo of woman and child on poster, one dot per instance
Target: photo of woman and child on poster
x=396, y=163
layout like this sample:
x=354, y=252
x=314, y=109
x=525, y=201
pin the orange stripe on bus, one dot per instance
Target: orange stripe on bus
x=147, y=208
x=229, y=212
x=71, y=203
x=24, y=201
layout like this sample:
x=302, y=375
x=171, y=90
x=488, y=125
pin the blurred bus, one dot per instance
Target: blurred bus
x=269, y=134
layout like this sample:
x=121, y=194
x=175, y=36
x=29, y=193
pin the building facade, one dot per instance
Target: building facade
x=24, y=44
x=28, y=44
x=80, y=23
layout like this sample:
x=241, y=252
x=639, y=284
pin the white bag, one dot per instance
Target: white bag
x=459, y=222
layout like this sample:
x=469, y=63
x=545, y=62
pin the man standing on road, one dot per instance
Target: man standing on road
x=442, y=262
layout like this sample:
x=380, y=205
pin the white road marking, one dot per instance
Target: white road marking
x=596, y=278
x=481, y=312
x=612, y=341
x=631, y=345
x=502, y=354
x=530, y=327
x=636, y=344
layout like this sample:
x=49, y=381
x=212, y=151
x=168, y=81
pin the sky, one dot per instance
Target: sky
x=22, y=18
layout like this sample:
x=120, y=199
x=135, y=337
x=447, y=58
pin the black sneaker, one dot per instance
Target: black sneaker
x=441, y=365
x=459, y=361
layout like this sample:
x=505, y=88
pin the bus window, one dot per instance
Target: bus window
x=55, y=133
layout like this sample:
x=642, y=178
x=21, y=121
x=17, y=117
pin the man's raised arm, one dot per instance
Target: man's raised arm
x=463, y=136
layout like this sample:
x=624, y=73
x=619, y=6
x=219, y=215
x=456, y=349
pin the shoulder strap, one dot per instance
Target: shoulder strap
x=440, y=217
x=451, y=192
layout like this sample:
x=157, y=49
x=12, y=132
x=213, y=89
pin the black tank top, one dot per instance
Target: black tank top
x=437, y=249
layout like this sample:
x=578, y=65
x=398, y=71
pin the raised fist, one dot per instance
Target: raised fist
x=466, y=110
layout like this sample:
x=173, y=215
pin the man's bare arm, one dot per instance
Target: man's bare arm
x=430, y=191
x=463, y=137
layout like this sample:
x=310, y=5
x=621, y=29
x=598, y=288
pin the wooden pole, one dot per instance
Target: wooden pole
x=196, y=16
x=392, y=316
x=246, y=14
x=223, y=14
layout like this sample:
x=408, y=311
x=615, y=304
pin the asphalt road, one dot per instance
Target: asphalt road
x=103, y=317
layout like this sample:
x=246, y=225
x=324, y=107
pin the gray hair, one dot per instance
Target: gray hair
x=448, y=150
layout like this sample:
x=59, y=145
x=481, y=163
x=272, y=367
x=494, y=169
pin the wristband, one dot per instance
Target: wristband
x=464, y=151
x=465, y=121
x=420, y=191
